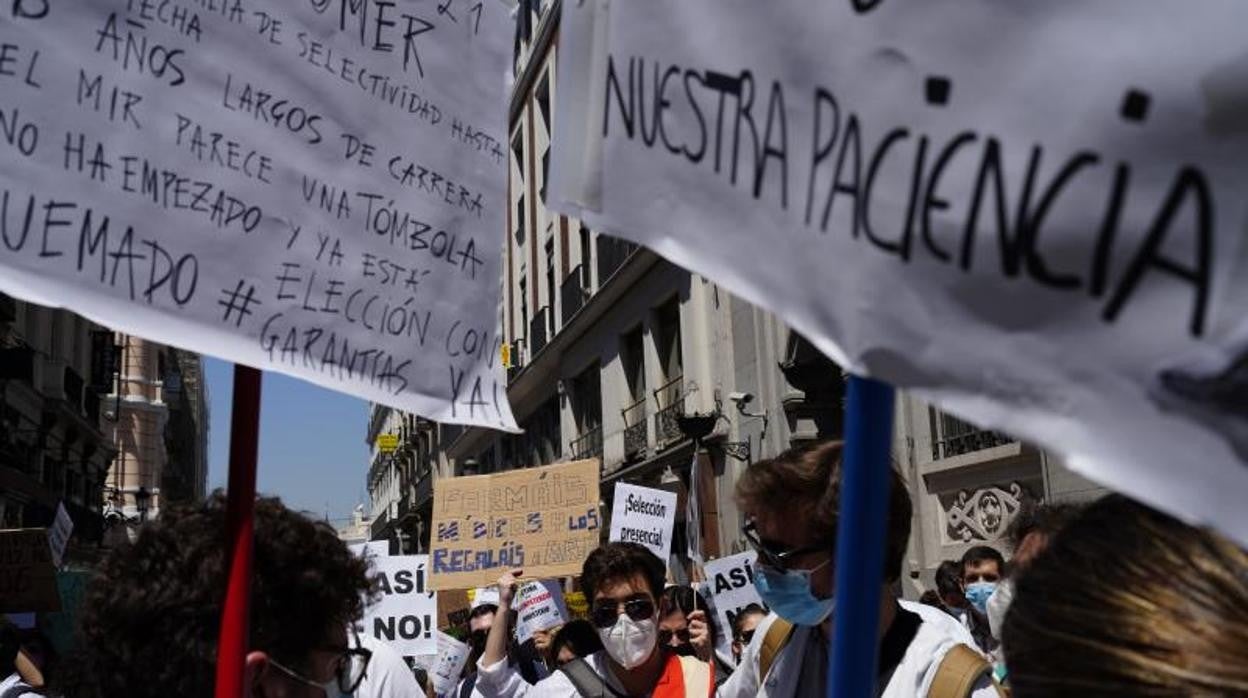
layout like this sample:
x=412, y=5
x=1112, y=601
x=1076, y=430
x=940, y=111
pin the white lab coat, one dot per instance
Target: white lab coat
x=912, y=678
x=387, y=675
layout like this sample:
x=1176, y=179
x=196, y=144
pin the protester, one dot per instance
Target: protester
x=150, y=618
x=949, y=587
x=982, y=569
x=542, y=640
x=687, y=628
x=481, y=617
x=1127, y=601
x=577, y=638
x=1028, y=534
x=743, y=627
x=931, y=598
x=19, y=678
x=386, y=675
x=792, y=505
x=623, y=582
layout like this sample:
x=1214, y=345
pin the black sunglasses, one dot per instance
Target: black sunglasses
x=772, y=555
x=607, y=612
x=665, y=636
x=745, y=637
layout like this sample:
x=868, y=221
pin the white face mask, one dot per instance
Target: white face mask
x=998, y=604
x=629, y=642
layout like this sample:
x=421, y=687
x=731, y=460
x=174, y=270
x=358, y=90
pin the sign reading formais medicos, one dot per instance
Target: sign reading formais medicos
x=644, y=516
x=544, y=520
x=989, y=204
x=312, y=188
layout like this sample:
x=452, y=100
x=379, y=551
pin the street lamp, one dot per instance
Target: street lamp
x=141, y=500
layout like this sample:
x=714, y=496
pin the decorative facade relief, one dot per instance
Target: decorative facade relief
x=984, y=515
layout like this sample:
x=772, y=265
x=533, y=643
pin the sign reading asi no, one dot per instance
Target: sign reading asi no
x=27, y=576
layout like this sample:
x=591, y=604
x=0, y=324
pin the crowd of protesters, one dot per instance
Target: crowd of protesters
x=1108, y=599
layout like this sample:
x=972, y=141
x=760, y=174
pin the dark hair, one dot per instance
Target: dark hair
x=752, y=609
x=482, y=610
x=804, y=483
x=10, y=644
x=1127, y=601
x=949, y=578
x=682, y=598
x=622, y=561
x=978, y=554
x=151, y=614
x=931, y=598
x=1046, y=517
x=579, y=636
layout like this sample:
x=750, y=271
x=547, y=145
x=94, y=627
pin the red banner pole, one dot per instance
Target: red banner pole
x=240, y=510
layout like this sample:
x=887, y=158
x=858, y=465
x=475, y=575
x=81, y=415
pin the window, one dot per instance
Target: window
x=632, y=355
x=586, y=253
x=550, y=273
x=667, y=340
x=587, y=399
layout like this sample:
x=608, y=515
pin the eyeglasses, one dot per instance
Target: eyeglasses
x=773, y=555
x=745, y=637
x=349, y=668
x=665, y=636
x=606, y=612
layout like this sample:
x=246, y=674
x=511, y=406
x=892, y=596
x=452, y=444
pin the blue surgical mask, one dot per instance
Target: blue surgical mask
x=787, y=592
x=978, y=593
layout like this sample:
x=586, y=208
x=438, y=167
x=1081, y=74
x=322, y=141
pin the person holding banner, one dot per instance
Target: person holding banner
x=624, y=582
x=792, y=505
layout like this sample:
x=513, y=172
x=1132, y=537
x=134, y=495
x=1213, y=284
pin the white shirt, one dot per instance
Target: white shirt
x=387, y=675
x=12, y=686
x=501, y=681
x=937, y=634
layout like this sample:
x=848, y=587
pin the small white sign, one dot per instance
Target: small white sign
x=58, y=534
x=406, y=613
x=730, y=581
x=539, y=605
x=645, y=516
x=452, y=655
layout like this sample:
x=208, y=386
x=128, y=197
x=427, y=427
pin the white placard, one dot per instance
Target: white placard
x=452, y=656
x=645, y=516
x=992, y=204
x=58, y=534
x=539, y=605
x=405, y=615
x=371, y=550
x=730, y=581
x=312, y=188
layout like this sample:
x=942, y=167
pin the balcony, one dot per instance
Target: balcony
x=539, y=331
x=588, y=444
x=957, y=437
x=573, y=292
x=612, y=253
x=671, y=402
x=635, y=430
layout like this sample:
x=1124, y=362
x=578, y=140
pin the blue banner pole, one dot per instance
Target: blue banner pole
x=860, y=539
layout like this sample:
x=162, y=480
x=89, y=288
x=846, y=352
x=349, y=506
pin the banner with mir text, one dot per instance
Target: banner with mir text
x=1032, y=214
x=315, y=188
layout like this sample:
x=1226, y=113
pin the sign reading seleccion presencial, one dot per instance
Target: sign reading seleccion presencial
x=644, y=516
x=312, y=188
x=986, y=203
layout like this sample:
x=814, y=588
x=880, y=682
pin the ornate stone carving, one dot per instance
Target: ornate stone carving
x=983, y=515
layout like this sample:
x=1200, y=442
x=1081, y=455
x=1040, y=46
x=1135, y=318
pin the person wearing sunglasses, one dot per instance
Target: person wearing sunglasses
x=624, y=582
x=743, y=627
x=791, y=505
x=151, y=615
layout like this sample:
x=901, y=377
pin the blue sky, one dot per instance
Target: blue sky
x=312, y=450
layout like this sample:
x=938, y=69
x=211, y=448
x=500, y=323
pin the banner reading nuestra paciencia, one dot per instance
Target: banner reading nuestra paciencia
x=988, y=203
x=544, y=520
x=313, y=187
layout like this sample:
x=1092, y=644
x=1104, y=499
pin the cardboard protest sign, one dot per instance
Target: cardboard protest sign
x=452, y=655
x=645, y=516
x=730, y=583
x=310, y=188
x=58, y=535
x=539, y=606
x=404, y=614
x=544, y=520
x=986, y=203
x=452, y=608
x=27, y=576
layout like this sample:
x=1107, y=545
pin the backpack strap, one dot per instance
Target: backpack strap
x=777, y=637
x=959, y=671
x=586, y=681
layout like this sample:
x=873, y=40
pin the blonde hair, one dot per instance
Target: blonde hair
x=1128, y=601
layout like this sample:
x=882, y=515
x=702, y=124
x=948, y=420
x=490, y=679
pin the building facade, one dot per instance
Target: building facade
x=55, y=367
x=613, y=353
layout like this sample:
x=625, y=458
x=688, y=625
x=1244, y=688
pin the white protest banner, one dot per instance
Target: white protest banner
x=371, y=550
x=452, y=655
x=730, y=581
x=311, y=188
x=539, y=606
x=646, y=516
x=58, y=535
x=405, y=614
x=991, y=204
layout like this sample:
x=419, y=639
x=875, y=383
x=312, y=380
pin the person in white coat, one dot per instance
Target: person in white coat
x=792, y=504
x=386, y=674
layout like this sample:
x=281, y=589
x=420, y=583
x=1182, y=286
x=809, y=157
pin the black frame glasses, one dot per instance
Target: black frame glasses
x=606, y=612
x=347, y=674
x=778, y=559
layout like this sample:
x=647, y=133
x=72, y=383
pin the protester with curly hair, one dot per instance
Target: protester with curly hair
x=151, y=615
